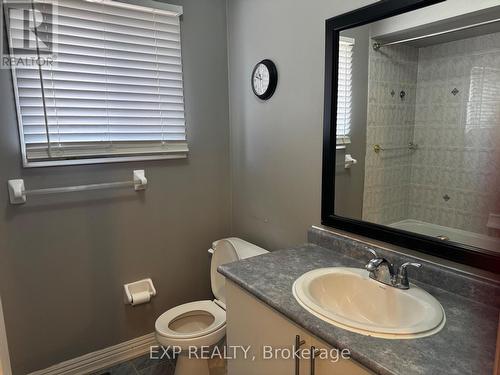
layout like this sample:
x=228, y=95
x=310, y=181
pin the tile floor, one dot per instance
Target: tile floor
x=141, y=366
x=145, y=366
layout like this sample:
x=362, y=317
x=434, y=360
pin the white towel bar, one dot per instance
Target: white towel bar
x=18, y=193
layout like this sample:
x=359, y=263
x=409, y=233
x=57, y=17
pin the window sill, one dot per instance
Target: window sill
x=116, y=159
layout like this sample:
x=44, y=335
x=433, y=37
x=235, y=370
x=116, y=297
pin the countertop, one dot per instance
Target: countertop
x=466, y=345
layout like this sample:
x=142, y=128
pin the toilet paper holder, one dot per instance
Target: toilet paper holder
x=138, y=292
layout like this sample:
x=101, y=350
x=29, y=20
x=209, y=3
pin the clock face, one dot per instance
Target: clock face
x=261, y=79
x=264, y=79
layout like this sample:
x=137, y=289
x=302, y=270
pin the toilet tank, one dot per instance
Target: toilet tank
x=229, y=250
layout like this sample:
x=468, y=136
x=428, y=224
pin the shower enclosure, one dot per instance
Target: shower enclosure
x=433, y=134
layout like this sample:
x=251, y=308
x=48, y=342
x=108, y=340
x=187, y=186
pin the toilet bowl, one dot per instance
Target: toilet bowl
x=202, y=323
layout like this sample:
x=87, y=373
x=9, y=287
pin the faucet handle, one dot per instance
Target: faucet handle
x=402, y=275
x=374, y=263
x=372, y=252
x=404, y=266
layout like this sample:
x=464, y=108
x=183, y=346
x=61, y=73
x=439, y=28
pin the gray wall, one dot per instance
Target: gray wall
x=64, y=259
x=349, y=183
x=276, y=145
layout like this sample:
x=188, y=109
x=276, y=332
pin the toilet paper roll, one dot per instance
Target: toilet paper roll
x=140, y=297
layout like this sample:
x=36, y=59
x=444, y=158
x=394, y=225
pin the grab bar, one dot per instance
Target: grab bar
x=18, y=193
x=411, y=146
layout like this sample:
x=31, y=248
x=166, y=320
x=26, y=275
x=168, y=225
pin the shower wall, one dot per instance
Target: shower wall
x=452, y=112
x=455, y=172
x=391, y=113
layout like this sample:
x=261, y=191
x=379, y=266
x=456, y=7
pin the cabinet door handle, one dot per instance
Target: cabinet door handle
x=298, y=344
x=314, y=353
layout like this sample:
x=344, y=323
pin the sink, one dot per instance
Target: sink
x=348, y=298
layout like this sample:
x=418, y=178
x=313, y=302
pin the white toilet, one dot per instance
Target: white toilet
x=202, y=323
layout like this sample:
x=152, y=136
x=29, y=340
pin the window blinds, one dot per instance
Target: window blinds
x=115, y=89
x=344, y=90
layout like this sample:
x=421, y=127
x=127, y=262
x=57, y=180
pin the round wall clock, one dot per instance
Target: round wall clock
x=264, y=79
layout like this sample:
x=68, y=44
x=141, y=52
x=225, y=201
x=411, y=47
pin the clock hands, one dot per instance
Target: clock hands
x=264, y=79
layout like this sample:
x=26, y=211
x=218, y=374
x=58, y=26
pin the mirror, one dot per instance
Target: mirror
x=413, y=127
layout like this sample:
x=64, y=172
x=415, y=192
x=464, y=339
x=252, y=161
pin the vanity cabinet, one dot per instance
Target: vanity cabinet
x=271, y=338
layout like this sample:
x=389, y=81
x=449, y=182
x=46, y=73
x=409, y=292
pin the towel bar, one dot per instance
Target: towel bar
x=18, y=193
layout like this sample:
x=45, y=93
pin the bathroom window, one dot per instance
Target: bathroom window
x=344, y=91
x=107, y=85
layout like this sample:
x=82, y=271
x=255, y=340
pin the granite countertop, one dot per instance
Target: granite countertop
x=466, y=345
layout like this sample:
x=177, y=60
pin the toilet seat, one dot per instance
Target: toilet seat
x=206, y=309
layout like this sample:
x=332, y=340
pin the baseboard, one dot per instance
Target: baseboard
x=102, y=359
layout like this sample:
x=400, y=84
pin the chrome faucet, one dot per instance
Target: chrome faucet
x=381, y=270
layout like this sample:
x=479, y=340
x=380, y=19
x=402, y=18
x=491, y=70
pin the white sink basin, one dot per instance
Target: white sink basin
x=348, y=298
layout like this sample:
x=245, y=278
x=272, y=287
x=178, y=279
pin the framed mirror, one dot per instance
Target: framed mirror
x=411, y=140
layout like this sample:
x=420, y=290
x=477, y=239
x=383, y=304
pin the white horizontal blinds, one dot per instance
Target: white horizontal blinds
x=116, y=86
x=344, y=90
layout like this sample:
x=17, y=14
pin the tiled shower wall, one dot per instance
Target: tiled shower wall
x=455, y=173
x=454, y=177
x=392, y=71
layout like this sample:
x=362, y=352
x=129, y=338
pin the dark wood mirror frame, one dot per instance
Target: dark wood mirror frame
x=450, y=250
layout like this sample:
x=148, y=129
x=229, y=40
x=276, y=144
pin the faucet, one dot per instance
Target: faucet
x=381, y=270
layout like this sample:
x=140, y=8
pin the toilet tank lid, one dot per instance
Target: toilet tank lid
x=242, y=248
x=226, y=251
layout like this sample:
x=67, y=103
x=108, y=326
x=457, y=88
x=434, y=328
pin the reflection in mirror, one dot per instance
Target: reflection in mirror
x=419, y=111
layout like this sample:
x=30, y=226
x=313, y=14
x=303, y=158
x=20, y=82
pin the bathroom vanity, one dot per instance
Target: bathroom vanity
x=261, y=310
x=271, y=334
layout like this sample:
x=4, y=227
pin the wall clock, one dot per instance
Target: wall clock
x=264, y=79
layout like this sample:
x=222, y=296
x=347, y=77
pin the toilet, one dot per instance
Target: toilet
x=202, y=323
